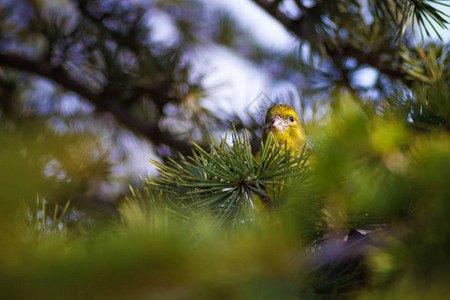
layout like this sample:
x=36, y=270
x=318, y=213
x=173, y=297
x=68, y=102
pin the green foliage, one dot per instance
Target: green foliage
x=425, y=106
x=226, y=179
x=367, y=170
x=73, y=167
x=41, y=223
x=404, y=13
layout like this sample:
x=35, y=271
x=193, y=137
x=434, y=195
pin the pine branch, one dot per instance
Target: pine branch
x=302, y=29
x=125, y=39
x=290, y=24
x=227, y=180
x=103, y=101
x=371, y=59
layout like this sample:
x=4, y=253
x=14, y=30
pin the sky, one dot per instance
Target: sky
x=245, y=82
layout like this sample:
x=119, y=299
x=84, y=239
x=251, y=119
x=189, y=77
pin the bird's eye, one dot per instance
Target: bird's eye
x=291, y=118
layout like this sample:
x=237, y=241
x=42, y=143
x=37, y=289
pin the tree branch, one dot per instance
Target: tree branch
x=101, y=101
x=371, y=59
x=299, y=29
x=273, y=10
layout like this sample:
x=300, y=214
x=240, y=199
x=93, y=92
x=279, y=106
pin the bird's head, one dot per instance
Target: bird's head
x=283, y=122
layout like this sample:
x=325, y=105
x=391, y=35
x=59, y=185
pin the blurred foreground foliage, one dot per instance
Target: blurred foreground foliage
x=366, y=217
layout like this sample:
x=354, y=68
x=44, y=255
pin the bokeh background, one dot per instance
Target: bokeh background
x=91, y=90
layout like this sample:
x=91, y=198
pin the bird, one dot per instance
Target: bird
x=283, y=123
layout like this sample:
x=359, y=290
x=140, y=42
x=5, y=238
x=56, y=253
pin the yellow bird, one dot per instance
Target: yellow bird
x=283, y=123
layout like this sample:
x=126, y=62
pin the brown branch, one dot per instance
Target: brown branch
x=102, y=101
x=121, y=38
x=273, y=10
x=371, y=59
x=300, y=29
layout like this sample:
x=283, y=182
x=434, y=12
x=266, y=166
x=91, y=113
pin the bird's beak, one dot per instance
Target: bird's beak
x=276, y=125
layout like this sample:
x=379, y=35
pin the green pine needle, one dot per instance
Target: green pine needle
x=225, y=179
